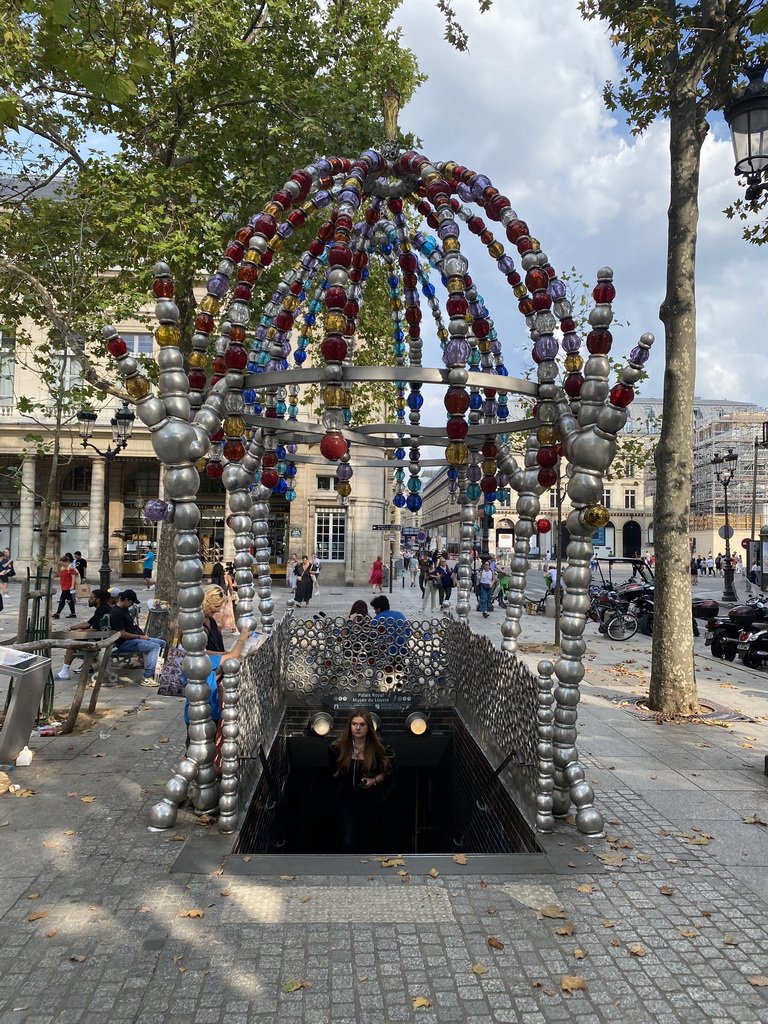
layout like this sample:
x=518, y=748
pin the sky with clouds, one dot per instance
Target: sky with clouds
x=524, y=106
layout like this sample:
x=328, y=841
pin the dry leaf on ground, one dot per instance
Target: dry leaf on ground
x=460, y=858
x=33, y=896
x=77, y=957
x=495, y=944
x=609, y=924
x=294, y=986
x=638, y=950
x=192, y=913
x=49, y=935
x=38, y=915
x=288, y=878
x=421, y=1001
x=433, y=873
x=585, y=888
x=479, y=969
x=729, y=940
x=688, y=933
x=666, y=890
x=757, y=980
x=572, y=983
x=490, y=910
x=579, y=954
x=615, y=860
x=87, y=799
x=551, y=910
x=565, y=929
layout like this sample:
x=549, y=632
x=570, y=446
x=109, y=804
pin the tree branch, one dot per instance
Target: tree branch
x=89, y=371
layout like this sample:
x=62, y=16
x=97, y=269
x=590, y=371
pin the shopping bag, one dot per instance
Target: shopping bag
x=82, y=590
x=169, y=676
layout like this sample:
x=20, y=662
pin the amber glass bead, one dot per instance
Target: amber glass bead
x=455, y=284
x=344, y=488
x=166, y=335
x=520, y=291
x=335, y=323
x=573, y=362
x=496, y=250
x=451, y=245
x=546, y=435
x=456, y=453
x=198, y=360
x=334, y=396
x=233, y=450
x=162, y=287
x=137, y=387
x=233, y=426
x=596, y=516
x=210, y=305
x=488, y=467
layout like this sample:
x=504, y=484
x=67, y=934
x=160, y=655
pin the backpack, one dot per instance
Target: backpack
x=171, y=683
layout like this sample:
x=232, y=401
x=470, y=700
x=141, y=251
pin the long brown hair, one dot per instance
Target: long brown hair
x=375, y=761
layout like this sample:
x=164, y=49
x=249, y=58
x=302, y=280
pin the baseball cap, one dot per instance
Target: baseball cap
x=129, y=595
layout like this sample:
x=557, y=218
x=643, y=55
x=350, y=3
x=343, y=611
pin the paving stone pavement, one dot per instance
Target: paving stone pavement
x=111, y=945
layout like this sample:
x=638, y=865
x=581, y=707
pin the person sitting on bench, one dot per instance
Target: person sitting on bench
x=131, y=637
x=99, y=602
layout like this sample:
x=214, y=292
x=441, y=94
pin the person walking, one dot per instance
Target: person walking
x=431, y=586
x=694, y=573
x=304, y=583
x=377, y=575
x=67, y=581
x=81, y=564
x=6, y=570
x=217, y=575
x=314, y=565
x=146, y=572
x=710, y=565
x=445, y=583
x=414, y=571
x=290, y=572
x=131, y=636
x=486, y=581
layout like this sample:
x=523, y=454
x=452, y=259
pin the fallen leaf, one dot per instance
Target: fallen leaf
x=638, y=950
x=34, y=896
x=479, y=969
x=535, y=984
x=99, y=755
x=294, y=986
x=754, y=820
x=49, y=935
x=626, y=846
x=305, y=899
x=460, y=858
x=551, y=910
x=582, y=849
x=94, y=907
x=548, y=991
x=433, y=873
x=495, y=944
x=616, y=860
x=69, y=832
x=482, y=884
x=145, y=910
x=192, y=913
x=565, y=929
x=615, y=942
x=36, y=917
x=4, y=823
x=77, y=957
x=49, y=845
x=246, y=859
x=644, y=858
x=585, y=887
x=226, y=892
x=364, y=978
x=419, y=1001
x=288, y=878
x=166, y=740
x=490, y=910
x=667, y=890
x=730, y=941
x=706, y=913
x=757, y=980
x=572, y=983
x=688, y=934
x=579, y=954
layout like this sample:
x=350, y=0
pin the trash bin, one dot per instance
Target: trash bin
x=30, y=676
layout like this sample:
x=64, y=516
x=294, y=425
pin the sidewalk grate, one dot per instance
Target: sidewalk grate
x=717, y=712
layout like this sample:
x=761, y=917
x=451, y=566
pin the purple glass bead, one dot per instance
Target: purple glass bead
x=286, y=347
x=456, y=352
x=419, y=239
x=291, y=448
x=639, y=355
x=453, y=486
x=343, y=471
x=479, y=184
x=279, y=337
x=546, y=347
x=260, y=334
x=490, y=407
x=411, y=297
x=273, y=364
x=366, y=230
x=506, y=264
x=556, y=289
x=323, y=166
x=218, y=285
x=351, y=197
x=285, y=230
x=398, y=219
x=571, y=342
x=321, y=199
x=474, y=473
x=464, y=193
x=496, y=347
x=155, y=510
x=308, y=261
x=448, y=229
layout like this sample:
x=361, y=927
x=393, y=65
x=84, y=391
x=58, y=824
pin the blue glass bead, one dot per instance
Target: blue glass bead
x=264, y=358
x=249, y=396
x=280, y=408
x=347, y=415
x=299, y=356
x=364, y=274
x=473, y=491
x=252, y=367
x=280, y=487
x=399, y=500
x=399, y=348
x=415, y=400
x=386, y=249
x=428, y=290
x=502, y=370
x=280, y=467
x=475, y=401
x=474, y=357
x=453, y=473
x=414, y=485
x=290, y=495
x=310, y=319
x=399, y=474
x=413, y=502
x=400, y=453
x=258, y=409
x=290, y=470
x=398, y=335
x=489, y=509
x=502, y=412
x=393, y=282
x=502, y=496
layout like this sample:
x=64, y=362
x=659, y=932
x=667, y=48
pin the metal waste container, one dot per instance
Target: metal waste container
x=29, y=674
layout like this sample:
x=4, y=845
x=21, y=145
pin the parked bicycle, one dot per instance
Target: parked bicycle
x=612, y=614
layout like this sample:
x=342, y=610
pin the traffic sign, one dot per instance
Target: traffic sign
x=387, y=526
x=745, y=543
x=726, y=532
x=421, y=536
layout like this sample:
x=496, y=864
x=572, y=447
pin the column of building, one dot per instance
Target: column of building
x=26, y=557
x=96, y=515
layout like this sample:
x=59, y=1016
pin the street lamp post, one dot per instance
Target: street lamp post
x=724, y=469
x=122, y=425
x=758, y=444
x=747, y=118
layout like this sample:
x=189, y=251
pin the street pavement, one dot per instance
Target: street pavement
x=97, y=927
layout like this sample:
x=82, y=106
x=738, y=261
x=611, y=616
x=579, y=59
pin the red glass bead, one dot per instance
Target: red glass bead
x=514, y=279
x=343, y=222
x=486, y=237
x=351, y=309
x=284, y=320
x=517, y=229
x=525, y=306
x=559, y=449
x=567, y=324
x=408, y=262
x=265, y=224
x=547, y=477
x=269, y=478
x=467, y=281
x=456, y=401
x=476, y=225
x=622, y=395
x=304, y=178
x=544, y=525
x=536, y=279
x=297, y=217
x=283, y=198
x=242, y=291
x=204, y=323
x=458, y=171
x=395, y=205
x=534, y=356
x=481, y=328
x=235, y=357
x=413, y=315
x=266, y=258
x=268, y=460
x=524, y=245
x=433, y=222
x=237, y=333
x=197, y=379
x=456, y=428
x=297, y=288
x=214, y=470
x=414, y=331
x=219, y=366
x=488, y=484
x=360, y=260
x=339, y=255
x=372, y=216
x=243, y=235
x=604, y=293
x=333, y=446
x=334, y=348
x=355, y=275
x=271, y=413
x=235, y=252
x=247, y=273
x=489, y=449
x=117, y=347
x=496, y=206
x=542, y=300
x=599, y=342
x=350, y=329
x=218, y=436
x=546, y=456
x=162, y=287
x=456, y=305
x=233, y=450
x=437, y=188
x=335, y=298
x=572, y=384
x=410, y=281
x=316, y=246
x=325, y=231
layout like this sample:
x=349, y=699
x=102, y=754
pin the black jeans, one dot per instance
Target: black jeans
x=66, y=597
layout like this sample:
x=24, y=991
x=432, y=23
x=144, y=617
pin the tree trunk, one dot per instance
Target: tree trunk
x=673, y=685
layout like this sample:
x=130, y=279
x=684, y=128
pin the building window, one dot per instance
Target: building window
x=629, y=497
x=330, y=535
x=629, y=469
x=77, y=481
x=552, y=499
x=607, y=497
x=138, y=344
x=323, y=483
x=7, y=366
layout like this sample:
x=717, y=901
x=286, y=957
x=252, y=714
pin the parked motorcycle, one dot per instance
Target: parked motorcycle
x=752, y=647
x=724, y=632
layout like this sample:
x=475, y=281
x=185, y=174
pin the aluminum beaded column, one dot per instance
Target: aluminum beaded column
x=545, y=820
x=259, y=512
x=230, y=747
x=466, y=538
x=525, y=482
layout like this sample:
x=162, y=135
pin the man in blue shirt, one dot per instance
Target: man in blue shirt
x=392, y=623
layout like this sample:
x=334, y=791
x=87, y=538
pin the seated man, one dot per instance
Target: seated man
x=131, y=636
x=99, y=601
x=391, y=623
